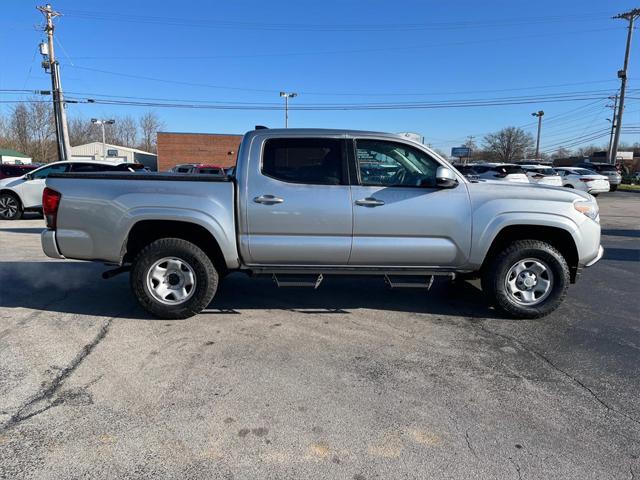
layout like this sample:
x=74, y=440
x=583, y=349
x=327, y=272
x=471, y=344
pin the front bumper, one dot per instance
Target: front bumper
x=49, y=245
x=597, y=258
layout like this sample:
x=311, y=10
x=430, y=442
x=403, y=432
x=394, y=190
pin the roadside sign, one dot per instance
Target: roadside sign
x=460, y=152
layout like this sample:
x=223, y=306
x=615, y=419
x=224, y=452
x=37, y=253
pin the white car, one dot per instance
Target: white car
x=18, y=194
x=583, y=179
x=507, y=172
x=542, y=175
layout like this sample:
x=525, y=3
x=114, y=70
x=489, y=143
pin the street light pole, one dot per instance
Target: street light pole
x=102, y=123
x=287, y=96
x=538, y=114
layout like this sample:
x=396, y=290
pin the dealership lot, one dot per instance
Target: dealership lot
x=352, y=381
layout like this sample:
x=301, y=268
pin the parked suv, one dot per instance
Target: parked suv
x=198, y=168
x=583, y=179
x=507, y=172
x=25, y=192
x=606, y=169
x=11, y=170
x=542, y=175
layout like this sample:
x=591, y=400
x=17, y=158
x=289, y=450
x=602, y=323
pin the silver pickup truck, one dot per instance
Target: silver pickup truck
x=308, y=203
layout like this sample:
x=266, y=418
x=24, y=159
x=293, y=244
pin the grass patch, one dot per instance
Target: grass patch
x=629, y=187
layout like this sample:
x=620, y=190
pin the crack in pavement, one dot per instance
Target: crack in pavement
x=546, y=360
x=517, y=468
x=466, y=436
x=24, y=412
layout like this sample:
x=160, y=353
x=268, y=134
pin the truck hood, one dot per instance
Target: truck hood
x=533, y=191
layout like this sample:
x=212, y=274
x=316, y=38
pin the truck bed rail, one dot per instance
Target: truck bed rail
x=151, y=176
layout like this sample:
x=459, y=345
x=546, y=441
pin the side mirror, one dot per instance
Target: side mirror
x=28, y=176
x=445, y=178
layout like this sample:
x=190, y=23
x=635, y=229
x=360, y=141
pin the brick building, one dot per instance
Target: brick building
x=212, y=148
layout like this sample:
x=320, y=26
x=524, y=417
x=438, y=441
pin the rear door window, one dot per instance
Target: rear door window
x=315, y=161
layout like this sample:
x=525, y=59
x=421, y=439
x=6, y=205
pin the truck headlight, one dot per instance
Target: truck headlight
x=590, y=209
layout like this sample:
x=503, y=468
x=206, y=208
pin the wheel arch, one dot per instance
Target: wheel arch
x=144, y=232
x=559, y=238
x=13, y=193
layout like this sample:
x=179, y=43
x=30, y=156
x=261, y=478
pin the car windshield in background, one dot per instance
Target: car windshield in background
x=544, y=171
x=583, y=171
x=605, y=168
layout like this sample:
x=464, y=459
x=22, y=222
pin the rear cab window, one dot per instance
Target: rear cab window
x=314, y=161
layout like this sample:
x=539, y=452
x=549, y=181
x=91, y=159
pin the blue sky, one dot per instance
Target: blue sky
x=336, y=52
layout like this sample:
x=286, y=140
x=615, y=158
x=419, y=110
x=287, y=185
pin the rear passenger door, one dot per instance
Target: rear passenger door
x=298, y=203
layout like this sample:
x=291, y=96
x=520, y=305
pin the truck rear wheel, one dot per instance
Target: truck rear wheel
x=529, y=279
x=173, y=278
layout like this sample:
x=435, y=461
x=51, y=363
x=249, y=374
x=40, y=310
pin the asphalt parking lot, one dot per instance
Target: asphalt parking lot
x=353, y=381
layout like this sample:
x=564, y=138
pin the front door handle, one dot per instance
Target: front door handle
x=369, y=202
x=268, y=199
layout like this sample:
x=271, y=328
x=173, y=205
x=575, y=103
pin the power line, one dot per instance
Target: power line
x=212, y=23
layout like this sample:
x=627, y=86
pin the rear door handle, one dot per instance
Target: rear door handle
x=268, y=199
x=369, y=202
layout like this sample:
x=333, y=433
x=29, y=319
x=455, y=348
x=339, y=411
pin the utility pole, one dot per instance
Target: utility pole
x=538, y=114
x=287, y=96
x=51, y=65
x=622, y=75
x=610, y=157
x=470, y=144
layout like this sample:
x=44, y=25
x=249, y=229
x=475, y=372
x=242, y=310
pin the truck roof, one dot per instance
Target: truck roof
x=323, y=131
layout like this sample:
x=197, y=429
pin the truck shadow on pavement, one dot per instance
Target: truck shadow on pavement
x=77, y=288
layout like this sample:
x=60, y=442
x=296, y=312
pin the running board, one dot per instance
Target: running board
x=405, y=281
x=298, y=281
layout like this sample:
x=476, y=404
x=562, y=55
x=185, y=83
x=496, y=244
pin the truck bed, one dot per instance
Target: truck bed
x=98, y=210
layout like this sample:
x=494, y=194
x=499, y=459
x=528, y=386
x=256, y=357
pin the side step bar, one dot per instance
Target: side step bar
x=406, y=281
x=298, y=280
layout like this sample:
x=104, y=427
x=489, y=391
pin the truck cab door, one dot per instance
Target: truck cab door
x=401, y=218
x=297, y=202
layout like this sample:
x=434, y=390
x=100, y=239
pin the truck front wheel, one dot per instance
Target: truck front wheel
x=173, y=278
x=529, y=279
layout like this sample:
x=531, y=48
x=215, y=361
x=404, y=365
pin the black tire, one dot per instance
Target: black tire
x=595, y=194
x=206, y=278
x=494, y=278
x=613, y=188
x=10, y=207
x=568, y=185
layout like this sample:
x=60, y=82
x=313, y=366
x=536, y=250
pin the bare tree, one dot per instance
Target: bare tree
x=561, y=153
x=508, y=144
x=19, y=127
x=125, y=131
x=81, y=131
x=150, y=123
x=41, y=131
x=587, y=151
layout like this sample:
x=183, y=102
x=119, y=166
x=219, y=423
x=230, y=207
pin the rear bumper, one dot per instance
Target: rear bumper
x=597, y=258
x=49, y=245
